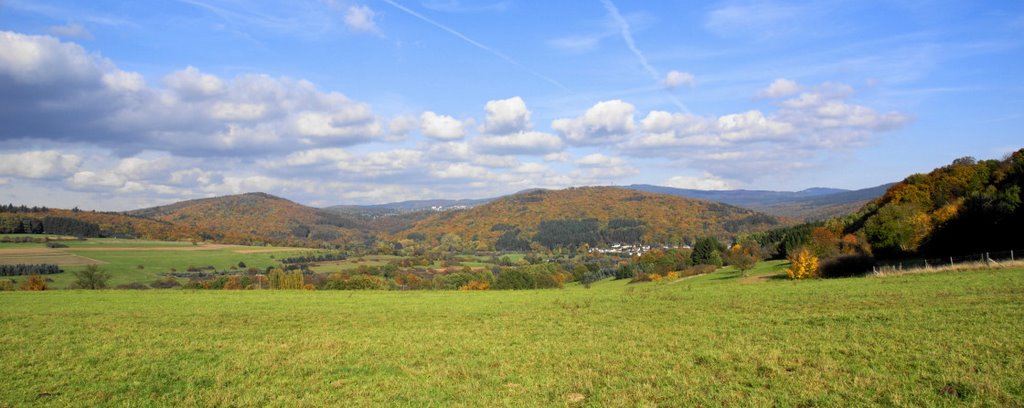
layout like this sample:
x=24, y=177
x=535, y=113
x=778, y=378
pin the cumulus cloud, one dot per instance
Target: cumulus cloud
x=360, y=19
x=191, y=83
x=506, y=116
x=441, y=127
x=599, y=160
x=604, y=123
x=38, y=164
x=675, y=79
x=743, y=146
x=58, y=91
x=400, y=126
x=519, y=143
x=779, y=88
x=705, y=182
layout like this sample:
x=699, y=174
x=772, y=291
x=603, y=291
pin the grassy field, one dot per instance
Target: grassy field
x=938, y=339
x=122, y=258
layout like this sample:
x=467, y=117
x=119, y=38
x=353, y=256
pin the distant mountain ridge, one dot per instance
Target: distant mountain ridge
x=814, y=203
x=810, y=204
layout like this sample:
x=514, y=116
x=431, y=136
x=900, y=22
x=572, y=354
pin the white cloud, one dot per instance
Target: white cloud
x=43, y=59
x=459, y=171
x=238, y=111
x=561, y=157
x=779, y=88
x=605, y=122
x=519, y=143
x=89, y=179
x=400, y=126
x=506, y=116
x=705, y=182
x=441, y=127
x=190, y=82
x=599, y=160
x=675, y=79
x=38, y=164
x=360, y=19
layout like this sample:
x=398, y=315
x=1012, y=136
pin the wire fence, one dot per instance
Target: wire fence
x=980, y=260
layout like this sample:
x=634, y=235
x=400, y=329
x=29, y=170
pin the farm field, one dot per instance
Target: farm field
x=122, y=258
x=936, y=339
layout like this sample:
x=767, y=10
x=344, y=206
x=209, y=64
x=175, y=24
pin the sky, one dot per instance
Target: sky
x=116, y=105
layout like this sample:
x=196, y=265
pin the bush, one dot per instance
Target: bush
x=515, y=279
x=357, y=282
x=90, y=278
x=6, y=285
x=133, y=286
x=846, y=266
x=34, y=283
x=475, y=285
x=55, y=245
x=166, y=283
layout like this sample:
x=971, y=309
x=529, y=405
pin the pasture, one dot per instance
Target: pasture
x=141, y=261
x=940, y=339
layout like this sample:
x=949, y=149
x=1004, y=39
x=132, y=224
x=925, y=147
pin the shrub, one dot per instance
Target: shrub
x=90, y=278
x=166, y=283
x=357, y=282
x=515, y=279
x=133, y=286
x=475, y=285
x=803, y=264
x=234, y=282
x=671, y=276
x=55, y=245
x=846, y=266
x=6, y=285
x=590, y=277
x=700, y=270
x=34, y=283
x=655, y=278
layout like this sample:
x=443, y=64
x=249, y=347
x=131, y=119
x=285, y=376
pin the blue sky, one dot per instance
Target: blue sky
x=118, y=105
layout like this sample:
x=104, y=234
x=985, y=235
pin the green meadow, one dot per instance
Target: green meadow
x=941, y=339
x=143, y=261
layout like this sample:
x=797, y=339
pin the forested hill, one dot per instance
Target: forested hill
x=966, y=207
x=22, y=220
x=617, y=213
x=259, y=217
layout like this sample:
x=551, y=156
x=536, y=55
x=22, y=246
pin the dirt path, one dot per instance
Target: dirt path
x=760, y=278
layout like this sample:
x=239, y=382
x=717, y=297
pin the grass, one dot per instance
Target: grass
x=942, y=339
x=121, y=258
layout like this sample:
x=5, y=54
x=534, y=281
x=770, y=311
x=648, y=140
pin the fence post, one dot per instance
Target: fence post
x=926, y=264
x=950, y=262
x=1011, y=255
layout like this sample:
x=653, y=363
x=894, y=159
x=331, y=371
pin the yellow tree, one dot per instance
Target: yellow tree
x=803, y=264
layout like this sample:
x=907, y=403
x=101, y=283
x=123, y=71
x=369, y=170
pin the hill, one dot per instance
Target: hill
x=811, y=204
x=615, y=212
x=16, y=220
x=966, y=207
x=257, y=218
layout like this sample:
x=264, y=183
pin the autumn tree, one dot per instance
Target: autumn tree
x=803, y=264
x=34, y=283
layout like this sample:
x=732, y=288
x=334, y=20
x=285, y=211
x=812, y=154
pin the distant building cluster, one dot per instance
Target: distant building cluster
x=632, y=249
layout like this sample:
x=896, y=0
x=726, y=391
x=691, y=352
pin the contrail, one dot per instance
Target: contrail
x=476, y=43
x=627, y=36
